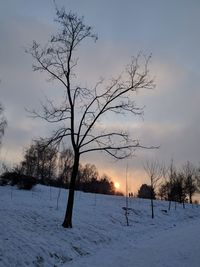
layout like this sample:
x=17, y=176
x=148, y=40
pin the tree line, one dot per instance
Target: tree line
x=170, y=183
x=49, y=166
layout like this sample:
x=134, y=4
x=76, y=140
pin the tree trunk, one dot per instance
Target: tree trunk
x=69, y=210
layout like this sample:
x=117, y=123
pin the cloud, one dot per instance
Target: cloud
x=175, y=141
x=171, y=110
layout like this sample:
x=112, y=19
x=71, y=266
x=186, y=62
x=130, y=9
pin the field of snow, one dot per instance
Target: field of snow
x=31, y=233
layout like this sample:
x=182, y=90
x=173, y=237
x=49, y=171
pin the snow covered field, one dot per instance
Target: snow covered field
x=31, y=233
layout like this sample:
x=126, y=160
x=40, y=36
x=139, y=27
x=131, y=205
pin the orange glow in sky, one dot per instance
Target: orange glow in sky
x=117, y=185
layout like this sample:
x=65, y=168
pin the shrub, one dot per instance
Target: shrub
x=146, y=191
x=26, y=182
x=22, y=181
x=9, y=178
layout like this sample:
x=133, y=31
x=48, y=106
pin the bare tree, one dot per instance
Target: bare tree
x=89, y=172
x=171, y=178
x=82, y=108
x=190, y=175
x=154, y=171
x=178, y=190
x=198, y=179
x=65, y=164
x=3, y=123
x=164, y=189
x=39, y=161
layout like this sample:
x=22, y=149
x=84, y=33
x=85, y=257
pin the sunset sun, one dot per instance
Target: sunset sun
x=117, y=185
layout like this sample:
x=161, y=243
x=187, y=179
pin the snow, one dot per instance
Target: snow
x=31, y=233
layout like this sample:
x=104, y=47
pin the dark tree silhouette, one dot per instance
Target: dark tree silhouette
x=190, y=175
x=39, y=161
x=146, y=191
x=3, y=123
x=89, y=172
x=154, y=171
x=163, y=191
x=171, y=178
x=178, y=189
x=82, y=108
x=65, y=165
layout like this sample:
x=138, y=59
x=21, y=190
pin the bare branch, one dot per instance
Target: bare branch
x=127, y=150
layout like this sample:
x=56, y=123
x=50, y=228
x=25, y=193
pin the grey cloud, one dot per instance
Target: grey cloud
x=168, y=29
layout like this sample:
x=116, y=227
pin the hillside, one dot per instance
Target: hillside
x=31, y=233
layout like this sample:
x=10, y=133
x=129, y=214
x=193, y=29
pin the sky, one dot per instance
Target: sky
x=167, y=29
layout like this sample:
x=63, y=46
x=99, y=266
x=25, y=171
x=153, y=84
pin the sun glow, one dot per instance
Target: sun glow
x=117, y=185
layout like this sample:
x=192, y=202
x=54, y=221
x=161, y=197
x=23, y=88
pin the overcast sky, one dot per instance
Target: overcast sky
x=170, y=30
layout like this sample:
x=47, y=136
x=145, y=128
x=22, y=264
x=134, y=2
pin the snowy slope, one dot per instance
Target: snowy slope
x=31, y=233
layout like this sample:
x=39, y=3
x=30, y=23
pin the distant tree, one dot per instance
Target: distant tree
x=174, y=187
x=20, y=180
x=4, y=167
x=9, y=178
x=178, y=190
x=89, y=172
x=146, y=191
x=29, y=164
x=88, y=178
x=154, y=171
x=198, y=179
x=26, y=182
x=164, y=188
x=39, y=161
x=106, y=185
x=82, y=108
x=3, y=123
x=190, y=176
x=65, y=165
x=95, y=184
x=163, y=191
x=171, y=176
